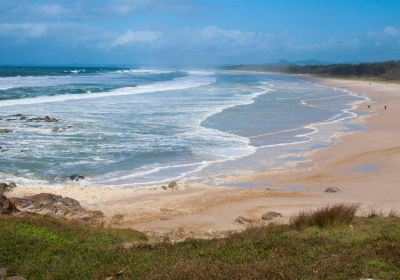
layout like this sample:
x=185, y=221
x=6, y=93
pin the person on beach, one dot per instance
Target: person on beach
x=369, y=107
x=385, y=107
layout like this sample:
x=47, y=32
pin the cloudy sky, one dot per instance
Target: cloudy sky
x=197, y=32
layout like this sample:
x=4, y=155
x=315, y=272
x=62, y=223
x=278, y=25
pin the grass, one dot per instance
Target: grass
x=44, y=248
x=338, y=214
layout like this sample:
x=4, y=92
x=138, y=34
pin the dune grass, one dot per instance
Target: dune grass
x=337, y=214
x=44, y=248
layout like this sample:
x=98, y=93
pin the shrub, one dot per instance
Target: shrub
x=338, y=214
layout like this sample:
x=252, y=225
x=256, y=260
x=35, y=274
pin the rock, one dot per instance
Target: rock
x=172, y=185
x=270, y=215
x=48, y=119
x=56, y=205
x=164, y=187
x=243, y=220
x=76, y=177
x=332, y=190
x=57, y=129
x=7, y=206
x=4, y=187
x=118, y=216
x=5, y=130
x=45, y=119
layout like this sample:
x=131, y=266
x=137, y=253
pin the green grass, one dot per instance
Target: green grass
x=337, y=214
x=44, y=248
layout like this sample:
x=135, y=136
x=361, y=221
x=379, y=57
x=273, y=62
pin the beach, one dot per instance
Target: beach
x=362, y=164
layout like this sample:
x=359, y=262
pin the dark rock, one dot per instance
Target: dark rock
x=56, y=205
x=270, y=215
x=172, y=185
x=48, y=119
x=332, y=190
x=4, y=187
x=7, y=206
x=53, y=203
x=23, y=118
x=243, y=220
x=45, y=119
x=5, y=130
x=76, y=177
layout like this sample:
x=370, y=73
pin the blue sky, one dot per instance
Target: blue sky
x=197, y=32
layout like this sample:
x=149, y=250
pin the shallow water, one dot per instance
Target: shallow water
x=144, y=126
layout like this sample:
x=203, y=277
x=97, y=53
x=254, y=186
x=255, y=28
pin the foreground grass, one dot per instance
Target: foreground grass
x=43, y=248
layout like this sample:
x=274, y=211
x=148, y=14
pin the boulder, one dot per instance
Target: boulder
x=271, y=215
x=4, y=187
x=5, y=130
x=49, y=119
x=7, y=206
x=56, y=205
x=45, y=119
x=76, y=177
x=243, y=220
x=332, y=190
x=57, y=129
x=172, y=185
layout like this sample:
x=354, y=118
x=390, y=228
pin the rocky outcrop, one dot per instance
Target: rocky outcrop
x=332, y=190
x=271, y=215
x=171, y=185
x=57, y=129
x=6, y=187
x=76, y=177
x=244, y=220
x=5, y=130
x=7, y=206
x=56, y=205
x=45, y=119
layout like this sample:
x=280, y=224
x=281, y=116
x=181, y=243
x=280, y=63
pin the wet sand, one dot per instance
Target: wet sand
x=364, y=165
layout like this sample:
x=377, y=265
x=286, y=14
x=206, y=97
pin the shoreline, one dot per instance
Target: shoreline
x=205, y=212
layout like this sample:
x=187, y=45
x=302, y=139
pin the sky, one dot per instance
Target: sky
x=197, y=32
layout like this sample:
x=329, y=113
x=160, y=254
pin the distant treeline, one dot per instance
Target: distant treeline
x=388, y=70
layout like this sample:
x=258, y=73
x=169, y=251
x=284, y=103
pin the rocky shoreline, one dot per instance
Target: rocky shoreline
x=47, y=204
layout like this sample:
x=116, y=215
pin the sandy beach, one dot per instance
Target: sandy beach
x=363, y=164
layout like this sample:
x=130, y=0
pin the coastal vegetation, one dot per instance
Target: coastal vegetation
x=387, y=70
x=330, y=243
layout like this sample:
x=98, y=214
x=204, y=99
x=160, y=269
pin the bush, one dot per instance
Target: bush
x=338, y=214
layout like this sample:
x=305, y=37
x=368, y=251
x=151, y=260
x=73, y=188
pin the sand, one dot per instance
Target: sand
x=364, y=165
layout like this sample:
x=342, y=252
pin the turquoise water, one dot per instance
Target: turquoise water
x=122, y=127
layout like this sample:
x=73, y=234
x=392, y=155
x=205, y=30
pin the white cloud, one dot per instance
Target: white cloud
x=391, y=31
x=50, y=10
x=27, y=30
x=131, y=37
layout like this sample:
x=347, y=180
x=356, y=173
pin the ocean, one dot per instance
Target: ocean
x=138, y=127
